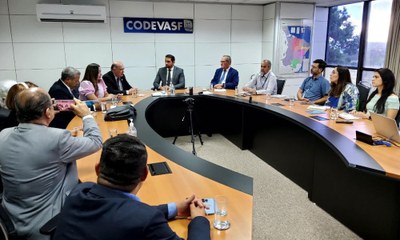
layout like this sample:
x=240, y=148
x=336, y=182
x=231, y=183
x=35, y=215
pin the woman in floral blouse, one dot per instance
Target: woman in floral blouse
x=343, y=94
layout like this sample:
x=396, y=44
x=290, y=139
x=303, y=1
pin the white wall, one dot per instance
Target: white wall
x=38, y=52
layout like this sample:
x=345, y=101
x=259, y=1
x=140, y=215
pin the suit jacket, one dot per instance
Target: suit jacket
x=38, y=169
x=59, y=91
x=7, y=118
x=231, y=81
x=112, y=86
x=178, y=78
x=93, y=211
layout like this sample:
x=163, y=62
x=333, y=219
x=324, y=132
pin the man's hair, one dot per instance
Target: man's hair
x=228, y=58
x=31, y=106
x=321, y=64
x=123, y=161
x=115, y=64
x=170, y=56
x=69, y=73
x=268, y=62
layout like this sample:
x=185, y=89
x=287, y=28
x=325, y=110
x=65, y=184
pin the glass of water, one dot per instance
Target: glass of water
x=221, y=221
x=292, y=99
x=333, y=115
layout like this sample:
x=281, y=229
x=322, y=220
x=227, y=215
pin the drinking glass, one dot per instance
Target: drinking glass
x=221, y=221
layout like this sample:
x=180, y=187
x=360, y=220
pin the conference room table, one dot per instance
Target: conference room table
x=356, y=183
x=184, y=179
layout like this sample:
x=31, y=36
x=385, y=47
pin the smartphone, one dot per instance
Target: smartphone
x=63, y=105
x=210, y=204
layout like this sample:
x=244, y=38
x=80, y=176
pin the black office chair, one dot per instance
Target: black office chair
x=362, y=100
x=281, y=84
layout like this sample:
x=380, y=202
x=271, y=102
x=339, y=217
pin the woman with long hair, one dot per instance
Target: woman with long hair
x=92, y=86
x=383, y=100
x=343, y=94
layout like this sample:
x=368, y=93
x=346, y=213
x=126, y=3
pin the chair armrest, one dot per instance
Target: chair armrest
x=50, y=226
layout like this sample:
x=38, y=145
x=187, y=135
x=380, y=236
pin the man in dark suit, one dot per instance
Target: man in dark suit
x=116, y=81
x=111, y=209
x=225, y=77
x=169, y=73
x=65, y=88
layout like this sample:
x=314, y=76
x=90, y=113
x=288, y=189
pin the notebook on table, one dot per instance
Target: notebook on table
x=386, y=127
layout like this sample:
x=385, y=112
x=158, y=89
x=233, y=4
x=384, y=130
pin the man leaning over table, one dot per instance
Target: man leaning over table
x=225, y=77
x=38, y=163
x=315, y=88
x=263, y=82
x=111, y=209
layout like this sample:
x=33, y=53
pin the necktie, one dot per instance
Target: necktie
x=169, y=77
x=222, y=76
x=119, y=84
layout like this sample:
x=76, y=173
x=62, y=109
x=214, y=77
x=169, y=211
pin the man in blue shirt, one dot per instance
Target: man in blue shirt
x=315, y=88
x=111, y=209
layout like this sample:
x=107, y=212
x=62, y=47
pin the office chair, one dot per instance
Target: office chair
x=362, y=100
x=280, y=85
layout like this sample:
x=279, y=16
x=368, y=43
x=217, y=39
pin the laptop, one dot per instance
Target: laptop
x=386, y=127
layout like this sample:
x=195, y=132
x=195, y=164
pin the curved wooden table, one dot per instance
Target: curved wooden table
x=182, y=182
x=354, y=182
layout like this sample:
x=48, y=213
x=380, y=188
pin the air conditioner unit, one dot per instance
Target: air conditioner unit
x=70, y=13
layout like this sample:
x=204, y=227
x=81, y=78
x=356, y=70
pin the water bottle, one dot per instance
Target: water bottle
x=236, y=91
x=172, y=89
x=132, y=130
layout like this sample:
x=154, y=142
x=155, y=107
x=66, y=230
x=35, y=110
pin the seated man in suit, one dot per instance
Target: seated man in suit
x=38, y=163
x=116, y=81
x=65, y=88
x=111, y=209
x=263, y=82
x=226, y=76
x=169, y=73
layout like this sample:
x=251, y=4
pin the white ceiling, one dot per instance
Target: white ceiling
x=320, y=3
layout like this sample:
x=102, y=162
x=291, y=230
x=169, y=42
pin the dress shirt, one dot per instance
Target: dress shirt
x=226, y=74
x=264, y=83
x=172, y=74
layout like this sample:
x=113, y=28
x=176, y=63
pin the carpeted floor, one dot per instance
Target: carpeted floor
x=281, y=208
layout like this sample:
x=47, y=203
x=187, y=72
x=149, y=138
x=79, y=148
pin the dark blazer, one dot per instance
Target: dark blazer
x=178, y=78
x=93, y=211
x=112, y=86
x=231, y=81
x=7, y=118
x=60, y=91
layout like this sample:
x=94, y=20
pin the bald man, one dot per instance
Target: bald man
x=263, y=82
x=38, y=163
x=116, y=81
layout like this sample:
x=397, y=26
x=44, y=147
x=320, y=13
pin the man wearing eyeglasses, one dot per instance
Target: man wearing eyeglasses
x=225, y=77
x=315, y=88
x=116, y=81
x=263, y=82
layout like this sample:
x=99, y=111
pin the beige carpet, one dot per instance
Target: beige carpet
x=281, y=208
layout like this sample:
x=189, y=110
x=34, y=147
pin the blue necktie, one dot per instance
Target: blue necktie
x=222, y=76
